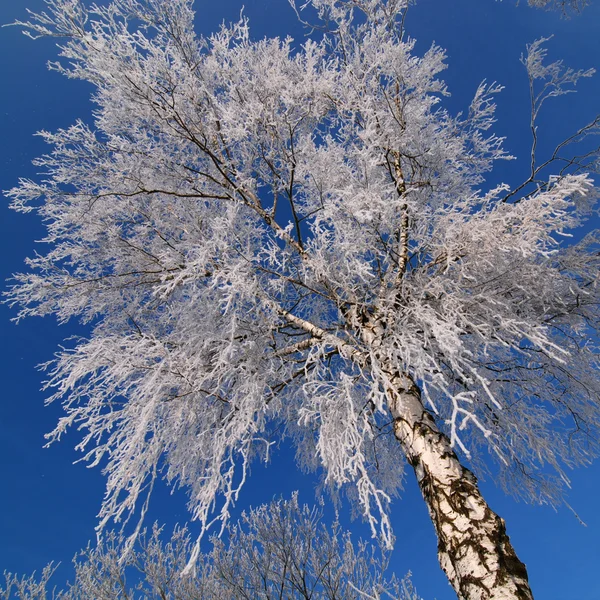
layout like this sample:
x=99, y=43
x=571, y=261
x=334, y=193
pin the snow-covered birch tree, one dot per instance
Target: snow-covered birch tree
x=269, y=238
x=282, y=550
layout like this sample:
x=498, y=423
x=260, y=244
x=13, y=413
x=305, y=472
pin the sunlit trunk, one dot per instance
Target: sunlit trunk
x=473, y=547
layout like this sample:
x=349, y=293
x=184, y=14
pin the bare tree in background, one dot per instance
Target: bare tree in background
x=273, y=240
x=280, y=551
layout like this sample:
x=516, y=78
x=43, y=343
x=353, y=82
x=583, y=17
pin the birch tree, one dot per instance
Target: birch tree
x=273, y=239
x=282, y=550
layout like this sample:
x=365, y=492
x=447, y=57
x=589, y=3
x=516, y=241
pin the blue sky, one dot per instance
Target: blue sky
x=48, y=504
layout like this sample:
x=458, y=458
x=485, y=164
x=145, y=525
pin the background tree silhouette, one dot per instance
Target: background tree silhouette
x=282, y=550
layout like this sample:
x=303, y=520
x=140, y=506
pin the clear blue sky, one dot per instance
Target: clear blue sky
x=48, y=504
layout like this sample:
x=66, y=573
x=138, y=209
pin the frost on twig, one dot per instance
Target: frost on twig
x=550, y=81
x=566, y=7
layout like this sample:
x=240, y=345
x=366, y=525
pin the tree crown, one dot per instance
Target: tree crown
x=254, y=229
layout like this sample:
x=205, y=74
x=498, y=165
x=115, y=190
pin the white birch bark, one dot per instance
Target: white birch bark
x=473, y=548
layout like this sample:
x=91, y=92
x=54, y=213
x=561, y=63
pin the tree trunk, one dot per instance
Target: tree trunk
x=473, y=547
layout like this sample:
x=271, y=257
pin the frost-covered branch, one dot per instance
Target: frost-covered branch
x=550, y=81
x=565, y=6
